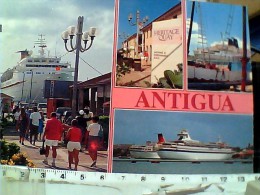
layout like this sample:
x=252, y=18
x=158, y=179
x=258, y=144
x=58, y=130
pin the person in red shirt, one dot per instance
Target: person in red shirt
x=74, y=138
x=52, y=135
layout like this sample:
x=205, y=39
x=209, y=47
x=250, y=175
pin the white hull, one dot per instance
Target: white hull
x=212, y=75
x=27, y=87
x=192, y=155
x=144, y=154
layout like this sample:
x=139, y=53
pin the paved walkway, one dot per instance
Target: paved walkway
x=33, y=154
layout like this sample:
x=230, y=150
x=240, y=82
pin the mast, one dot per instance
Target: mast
x=244, y=59
x=42, y=44
x=191, y=23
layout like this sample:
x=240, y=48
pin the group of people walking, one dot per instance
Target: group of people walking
x=29, y=124
x=82, y=130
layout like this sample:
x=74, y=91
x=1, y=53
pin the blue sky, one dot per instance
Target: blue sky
x=150, y=8
x=214, y=17
x=137, y=127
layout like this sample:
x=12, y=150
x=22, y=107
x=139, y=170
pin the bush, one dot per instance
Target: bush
x=18, y=159
x=10, y=155
x=7, y=150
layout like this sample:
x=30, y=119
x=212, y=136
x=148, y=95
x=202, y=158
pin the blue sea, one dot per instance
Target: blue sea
x=128, y=166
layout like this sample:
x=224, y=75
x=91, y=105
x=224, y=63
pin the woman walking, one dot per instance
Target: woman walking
x=74, y=139
x=24, y=125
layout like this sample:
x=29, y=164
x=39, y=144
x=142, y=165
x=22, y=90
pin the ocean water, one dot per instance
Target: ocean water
x=182, y=167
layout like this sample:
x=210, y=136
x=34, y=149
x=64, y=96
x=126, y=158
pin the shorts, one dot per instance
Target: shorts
x=73, y=145
x=49, y=142
x=33, y=130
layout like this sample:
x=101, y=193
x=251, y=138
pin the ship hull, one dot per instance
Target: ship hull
x=194, y=154
x=144, y=154
x=24, y=87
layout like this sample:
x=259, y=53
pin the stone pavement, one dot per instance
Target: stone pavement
x=62, y=155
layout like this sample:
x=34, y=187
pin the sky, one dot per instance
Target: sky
x=137, y=127
x=150, y=8
x=23, y=21
x=214, y=20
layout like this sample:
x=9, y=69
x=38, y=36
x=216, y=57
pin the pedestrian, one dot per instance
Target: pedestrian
x=17, y=113
x=41, y=126
x=94, y=131
x=28, y=112
x=24, y=125
x=74, y=137
x=51, y=136
x=82, y=123
x=88, y=115
x=34, y=125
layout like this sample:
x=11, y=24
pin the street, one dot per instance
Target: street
x=33, y=153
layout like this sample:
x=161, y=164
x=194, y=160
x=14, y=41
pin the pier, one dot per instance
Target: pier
x=231, y=161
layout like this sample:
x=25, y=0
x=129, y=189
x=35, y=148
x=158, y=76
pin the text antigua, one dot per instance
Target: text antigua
x=185, y=101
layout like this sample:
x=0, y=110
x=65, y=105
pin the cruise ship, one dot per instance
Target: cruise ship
x=185, y=148
x=25, y=81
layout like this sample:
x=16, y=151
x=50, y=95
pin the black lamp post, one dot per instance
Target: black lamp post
x=138, y=26
x=85, y=36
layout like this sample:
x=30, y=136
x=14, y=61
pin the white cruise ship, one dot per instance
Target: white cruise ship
x=25, y=81
x=186, y=148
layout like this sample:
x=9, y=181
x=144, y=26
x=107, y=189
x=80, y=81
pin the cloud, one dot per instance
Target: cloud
x=195, y=25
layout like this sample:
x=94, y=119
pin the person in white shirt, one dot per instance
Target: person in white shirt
x=16, y=118
x=95, y=130
x=34, y=124
x=88, y=115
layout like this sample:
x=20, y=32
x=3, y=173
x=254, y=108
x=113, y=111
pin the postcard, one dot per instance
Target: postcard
x=181, y=114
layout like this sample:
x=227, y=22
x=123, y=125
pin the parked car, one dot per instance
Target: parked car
x=60, y=112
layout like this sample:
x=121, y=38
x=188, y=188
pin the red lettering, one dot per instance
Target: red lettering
x=212, y=103
x=160, y=100
x=174, y=99
x=194, y=102
x=186, y=101
x=227, y=103
x=142, y=100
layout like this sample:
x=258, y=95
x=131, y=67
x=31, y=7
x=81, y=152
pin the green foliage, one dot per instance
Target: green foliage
x=7, y=150
x=121, y=70
x=174, y=79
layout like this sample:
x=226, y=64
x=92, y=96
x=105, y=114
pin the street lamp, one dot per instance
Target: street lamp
x=139, y=24
x=86, y=37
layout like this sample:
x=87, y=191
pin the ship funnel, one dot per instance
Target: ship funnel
x=24, y=54
x=160, y=138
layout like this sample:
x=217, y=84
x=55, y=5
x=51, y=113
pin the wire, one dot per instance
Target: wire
x=90, y=65
x=83, y=61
